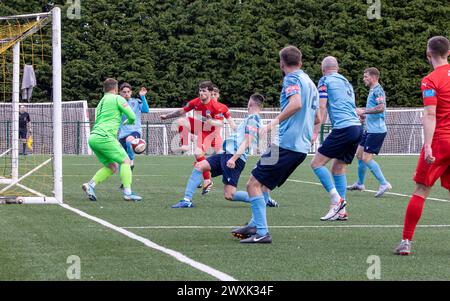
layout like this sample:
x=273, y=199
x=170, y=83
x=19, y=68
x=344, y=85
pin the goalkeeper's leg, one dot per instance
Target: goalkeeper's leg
x=126, y=177
x=98, y=145
x=118, y=154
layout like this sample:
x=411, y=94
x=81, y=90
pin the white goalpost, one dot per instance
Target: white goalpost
x=17, y=176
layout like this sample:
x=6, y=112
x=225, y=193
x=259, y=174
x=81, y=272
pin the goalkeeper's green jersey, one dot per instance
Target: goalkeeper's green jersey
x=108, y=115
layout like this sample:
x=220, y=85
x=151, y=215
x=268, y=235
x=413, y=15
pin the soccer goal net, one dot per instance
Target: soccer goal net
x=30, y=153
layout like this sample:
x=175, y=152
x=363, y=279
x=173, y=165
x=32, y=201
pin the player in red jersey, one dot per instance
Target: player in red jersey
x=434, y=161
x=218, y=140
x=208, y=115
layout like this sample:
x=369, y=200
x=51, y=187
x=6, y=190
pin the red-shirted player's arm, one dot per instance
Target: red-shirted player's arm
x=191, y=105
x=429, y=126
x=429, y=93
x=430, y=101
x=173, y=114
x=228, y=117
x=179, y=112
x=227, y=113
x=429, y=116
x=216, y=121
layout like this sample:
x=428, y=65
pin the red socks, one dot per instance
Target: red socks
x=413, y=213
x=206, y=174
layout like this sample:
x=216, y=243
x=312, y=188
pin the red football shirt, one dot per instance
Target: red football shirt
x=213, y=109
x=225, y=110
x=436, y=92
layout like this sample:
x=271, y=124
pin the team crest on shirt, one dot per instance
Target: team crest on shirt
x=208, y=113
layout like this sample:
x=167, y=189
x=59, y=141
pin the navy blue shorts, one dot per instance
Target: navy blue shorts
x=372, y=142
x=342, y=144
x=123, y=140
x=219, y=167
x=273, y=173
x=23, y=133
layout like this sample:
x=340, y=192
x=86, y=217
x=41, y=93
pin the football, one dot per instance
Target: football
x=138, y=145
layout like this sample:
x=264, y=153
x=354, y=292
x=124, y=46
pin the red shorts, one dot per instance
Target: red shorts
x=427, y=174
x=208, y=138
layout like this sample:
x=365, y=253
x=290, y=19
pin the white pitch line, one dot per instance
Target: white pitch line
x=177, y=255
x=287, y=227
x=373, y=191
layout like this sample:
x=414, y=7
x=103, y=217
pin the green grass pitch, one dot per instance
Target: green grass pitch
x=36, y=240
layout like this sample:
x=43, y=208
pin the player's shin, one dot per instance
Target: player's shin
x=130, y=151
x=126, y=177
x=412, y=217
x=241, y=196
x=340, y=181
x=194, y=180
x=376, y=171
x=259, y=214
x=362, y=168
x=102, y=175
x=324, y=176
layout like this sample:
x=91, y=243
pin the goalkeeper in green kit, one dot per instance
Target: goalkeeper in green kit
x=103, y=141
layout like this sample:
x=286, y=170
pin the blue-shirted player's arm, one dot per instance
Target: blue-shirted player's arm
x=317, y=125
x=322, y=113
x=292, y=90
x=251, y=134
x=380, y=98
x=144, y=105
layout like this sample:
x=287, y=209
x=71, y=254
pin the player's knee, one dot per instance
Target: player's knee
x=315, y=164
x=113, y=167
x=228, y=196
x=366, y=157
x=359, y=156
x=422, y=190
x=198, y=166
x=199, y=155
x=339, y=169
x=252, y=183
x=202, y=166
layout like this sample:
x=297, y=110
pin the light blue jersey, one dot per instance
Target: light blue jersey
x=138, y=106
x=250, y=126
x=295, y=132
x=375, y=122
x=341, y=100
